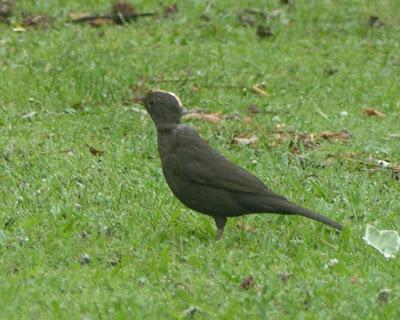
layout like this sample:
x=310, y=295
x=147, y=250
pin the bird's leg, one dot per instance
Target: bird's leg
x=220, y=222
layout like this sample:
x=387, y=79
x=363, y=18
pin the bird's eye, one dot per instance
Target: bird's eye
x=152, y=101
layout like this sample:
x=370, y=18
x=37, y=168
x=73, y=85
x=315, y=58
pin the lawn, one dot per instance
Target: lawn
x=88, y=226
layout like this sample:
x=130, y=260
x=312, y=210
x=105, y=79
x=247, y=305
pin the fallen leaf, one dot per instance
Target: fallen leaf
x=98, y=22
x=242, y=140
x=247, y=283
x=75, y=16
x=373, y=112
x=263, y=31
x=95, y=152
x=386, y=242
x=260, y=90
x=198, y=114
x=339, y=135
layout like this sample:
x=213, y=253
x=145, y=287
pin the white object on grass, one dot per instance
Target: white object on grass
x=386, y=242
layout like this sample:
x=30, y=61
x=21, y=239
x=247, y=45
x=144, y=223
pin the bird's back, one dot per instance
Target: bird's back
x=206, y=181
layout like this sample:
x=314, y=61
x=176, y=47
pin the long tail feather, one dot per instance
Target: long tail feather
x=291, y=208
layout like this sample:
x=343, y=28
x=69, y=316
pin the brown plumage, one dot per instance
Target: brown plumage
x=206, y=181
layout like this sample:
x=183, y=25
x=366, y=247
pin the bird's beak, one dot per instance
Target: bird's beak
x=139, y=99
x=185, y=110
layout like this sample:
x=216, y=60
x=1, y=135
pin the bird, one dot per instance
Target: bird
x=203, y=179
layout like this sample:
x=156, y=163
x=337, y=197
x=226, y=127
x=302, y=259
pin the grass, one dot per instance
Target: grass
x=94, y=237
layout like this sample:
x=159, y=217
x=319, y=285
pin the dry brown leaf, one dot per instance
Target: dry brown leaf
x=100, y=22
x=371, y=112
x=260, y=90
x=247, y=283
x=339, y=135
x=75, y=16
x=200, y=115
x=244, y=140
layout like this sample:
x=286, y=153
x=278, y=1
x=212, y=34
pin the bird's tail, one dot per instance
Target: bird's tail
x=291, y=208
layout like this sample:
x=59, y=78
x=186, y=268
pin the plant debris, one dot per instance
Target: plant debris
x=343, y=135
x=94, y=151
x=191, y=311
x=260, y=90
x=120, y=13
x=6, y=8
x=253, y=109
x=371, y=112
x=375, y=21
x=248, y=283
x=284, y=276
x=199, y=114
x=384, y=296
x=84, y=259
x=170, y=11
x=244, y=140
x=36, y=21
x=263, y=31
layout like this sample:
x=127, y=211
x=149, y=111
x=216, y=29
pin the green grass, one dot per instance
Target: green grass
x=149, y=257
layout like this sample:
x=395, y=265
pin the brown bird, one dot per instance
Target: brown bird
x=206, y=181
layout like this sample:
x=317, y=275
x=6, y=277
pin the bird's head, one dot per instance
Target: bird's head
x=165, y=108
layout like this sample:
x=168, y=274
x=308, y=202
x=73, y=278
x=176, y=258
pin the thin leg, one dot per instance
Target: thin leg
x=220, y=222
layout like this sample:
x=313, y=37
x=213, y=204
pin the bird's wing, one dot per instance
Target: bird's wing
x=197, y=162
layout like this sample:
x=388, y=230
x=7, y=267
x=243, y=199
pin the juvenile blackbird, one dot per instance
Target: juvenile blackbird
x=206, y=181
